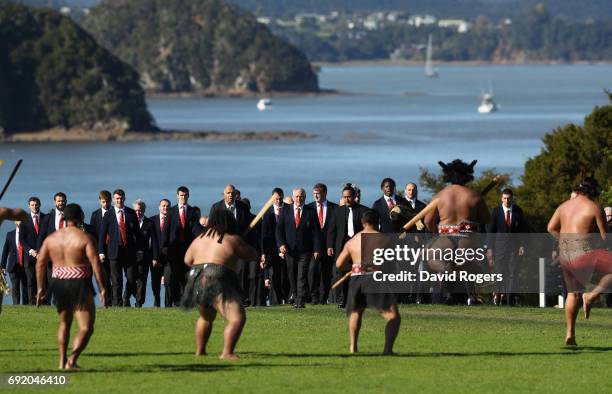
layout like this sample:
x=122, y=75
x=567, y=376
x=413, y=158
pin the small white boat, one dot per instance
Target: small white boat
x=487, y=104
x=263, y=104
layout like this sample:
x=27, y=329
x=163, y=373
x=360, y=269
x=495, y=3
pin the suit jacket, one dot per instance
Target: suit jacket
x=268, y=244
x=47, y=226
x=337, y=234
x=301, y=240
x=172, y=227
x=331, y=208
x=497, y=225
x=160, y=237
x=96, y=221
x=110, y=227
x=242, y=214
x=28, y=235
x=147, y=242
x=382, y=208
x=10, y=255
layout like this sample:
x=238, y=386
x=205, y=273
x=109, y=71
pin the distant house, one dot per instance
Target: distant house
x=421, y=20
x=461, y=25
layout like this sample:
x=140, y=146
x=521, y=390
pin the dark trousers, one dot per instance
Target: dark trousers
x=319, y=278
x=177, y=273
x=297, y=269
x=279, y=280
x=142, y=273
x=30, y=273
x=109, y=287
x=256, y=287
x=19, y=286
x=507, y=265
x=124, y=262
x=342, y=290
x=156, y=275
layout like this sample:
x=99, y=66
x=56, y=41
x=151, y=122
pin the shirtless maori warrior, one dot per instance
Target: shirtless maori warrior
x=571, y=224
x=361, y=278
x=74, y=257
x=459, y=211
x=213, y=285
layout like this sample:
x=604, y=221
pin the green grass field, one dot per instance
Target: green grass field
x=441, y=349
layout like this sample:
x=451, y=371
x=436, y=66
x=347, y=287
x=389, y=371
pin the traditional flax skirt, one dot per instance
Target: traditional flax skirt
x=71, y=287
x=206, y=283
x=364, y=293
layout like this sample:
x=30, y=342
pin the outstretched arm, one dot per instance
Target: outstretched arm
x=343, y=262
x=12, y=214
x=601, y=223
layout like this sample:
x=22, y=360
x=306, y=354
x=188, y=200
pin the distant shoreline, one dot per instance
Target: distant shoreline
x=254, y=95
x=388, y=62
x=87, y=135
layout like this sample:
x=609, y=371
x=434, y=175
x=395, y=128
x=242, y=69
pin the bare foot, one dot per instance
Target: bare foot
x=586, y=304
x=71, y=364
x=203, y=353
x=62, y=364
x=230, y=356
x=570, y=341
x=353, y=350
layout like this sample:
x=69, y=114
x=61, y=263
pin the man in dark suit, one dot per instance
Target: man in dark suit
x=28, y=235
x=146, y=251
x=275, y=271
x=298, y=237
x=120, y=228
x=344, y=225
x=254, y=280
x=320, y=271
x=162, y=267
x=51, y=222
x=386, y=203
x=104, y=198
x=242, y=214
x=505, y=251
x=13, y=262
x=183, y=227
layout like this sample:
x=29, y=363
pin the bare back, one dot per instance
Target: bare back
x=458, y=203
x=579, y=215
x=69, y=247
x=231, y=250
x=351, y=253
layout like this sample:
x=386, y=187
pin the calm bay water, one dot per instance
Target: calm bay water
x=388, y=122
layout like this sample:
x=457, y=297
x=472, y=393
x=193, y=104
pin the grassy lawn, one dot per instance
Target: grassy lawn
x=441, y=349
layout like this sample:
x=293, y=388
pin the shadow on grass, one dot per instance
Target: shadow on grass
x=163, y=368
x=569, y=351
x=138, y=354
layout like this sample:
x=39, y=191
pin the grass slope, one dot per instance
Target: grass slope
x=450, y=349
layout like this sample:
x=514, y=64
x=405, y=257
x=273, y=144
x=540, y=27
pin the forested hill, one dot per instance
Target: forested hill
x=199, y=46
x=53, y=73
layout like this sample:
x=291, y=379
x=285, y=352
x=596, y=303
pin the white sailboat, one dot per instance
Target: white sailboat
x=487, y=102
x=429, y=70
x=263, y=104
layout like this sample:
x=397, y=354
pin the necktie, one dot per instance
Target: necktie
x=277, y=213
x=390, y=202
x=182, y=236
x=20, y=251
x=350, y=225
x=162, y=223
x=61, y=221
x=508, y=218
x=183, y=217
x=321, y=215
x=122, y=229
x=36, y=223
x=297, y=217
